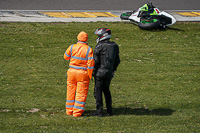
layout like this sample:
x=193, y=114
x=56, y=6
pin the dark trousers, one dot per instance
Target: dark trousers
x=102, y=84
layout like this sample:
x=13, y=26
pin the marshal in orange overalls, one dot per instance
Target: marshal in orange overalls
x=78, y=75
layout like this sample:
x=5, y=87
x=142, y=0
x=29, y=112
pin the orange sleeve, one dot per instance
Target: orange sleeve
x=67, y=54
x=90, y=63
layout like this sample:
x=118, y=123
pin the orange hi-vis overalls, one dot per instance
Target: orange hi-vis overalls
x=79, y=75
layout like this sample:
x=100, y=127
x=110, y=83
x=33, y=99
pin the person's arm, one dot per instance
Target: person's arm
x=67, y=54
x=90, y=63
x=96, y=56
x=117, y=60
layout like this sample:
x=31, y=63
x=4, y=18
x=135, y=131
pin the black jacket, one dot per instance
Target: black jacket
x=106, y=56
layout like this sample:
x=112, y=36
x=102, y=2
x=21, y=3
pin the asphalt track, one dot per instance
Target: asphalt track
x=96, y=4
x=89, y=10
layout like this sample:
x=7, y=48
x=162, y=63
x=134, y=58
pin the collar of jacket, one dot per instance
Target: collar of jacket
x=104, y=41
x=82, y=42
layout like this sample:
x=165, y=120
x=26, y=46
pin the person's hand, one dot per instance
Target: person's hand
x=92, y=79
x=113, y=74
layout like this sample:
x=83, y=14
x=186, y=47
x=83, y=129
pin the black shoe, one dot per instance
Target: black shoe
x=97, y=114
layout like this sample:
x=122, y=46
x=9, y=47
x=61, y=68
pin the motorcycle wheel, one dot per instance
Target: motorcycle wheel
x=149, y=24
x=125, y=15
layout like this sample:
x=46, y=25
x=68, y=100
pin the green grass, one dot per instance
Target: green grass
x=156, y=87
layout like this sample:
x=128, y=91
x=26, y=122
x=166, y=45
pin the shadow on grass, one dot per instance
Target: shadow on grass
x=163, y=29
x=156, y=29
x=176, y=29
x=135, y=111
x=143, y=111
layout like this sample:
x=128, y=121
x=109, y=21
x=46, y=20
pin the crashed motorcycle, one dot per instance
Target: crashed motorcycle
x=149, y=17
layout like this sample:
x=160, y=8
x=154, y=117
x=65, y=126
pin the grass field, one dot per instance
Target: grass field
x=156, y=88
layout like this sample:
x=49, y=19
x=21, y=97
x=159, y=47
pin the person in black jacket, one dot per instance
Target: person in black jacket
x=106, y=57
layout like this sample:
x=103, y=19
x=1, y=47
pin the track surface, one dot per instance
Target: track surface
x=96, y=4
